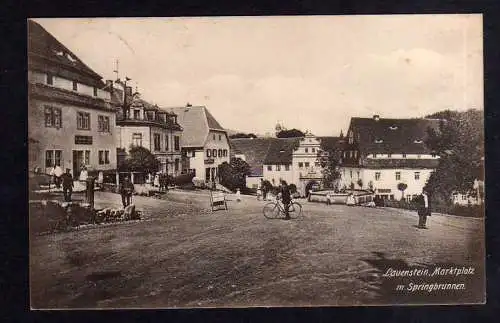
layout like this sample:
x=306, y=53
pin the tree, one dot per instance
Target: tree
x=243, y=135
x=360, y=183
x=292, y=133
x=292, y=188
x=233, y=174
x=140, y=159
x=460, y=145
x=328, y=160
x=402, y=187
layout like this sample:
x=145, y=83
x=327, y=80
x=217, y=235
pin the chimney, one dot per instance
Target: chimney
x=188, y=105
x=128, y=91
x=109, y=86
x=376, y=117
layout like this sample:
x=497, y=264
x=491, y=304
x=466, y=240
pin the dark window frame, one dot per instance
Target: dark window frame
x=83, y=120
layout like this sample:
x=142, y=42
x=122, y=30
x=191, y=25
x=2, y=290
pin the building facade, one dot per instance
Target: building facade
x=380, y=154
x=148, y=126
x=71, y=121
x=205, y=143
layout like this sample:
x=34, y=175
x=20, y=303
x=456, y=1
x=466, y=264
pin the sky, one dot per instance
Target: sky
x=310, y=72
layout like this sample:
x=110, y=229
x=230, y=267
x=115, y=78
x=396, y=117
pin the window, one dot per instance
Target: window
x=313, y=150
x=287, y=167
x=398, y=176
x=52, y=117
x=219, y=152
x=300, y=165
x=389, y=155
x=220, y=137
x=75, y=86
x=193, y=153
x=225, y=152
x=176, y=143
x=306, y=164
x=377, y=176
x=355, y=154
x=103, y=123
x=166, y=142
x=358, y=173
x=404, y=155
x=87, y=157
x=137, y=139
x=433, y=155
x=137, y=114
x=95, y=91
x=306, y=150
x=350, y=172
x=209, y=152
x=103, y=157
x=418, y=156
x=157, y=141
x=269, y=167
x=50, y=79
x=53, y=158
x=417, y=176
x=374, y=155
x=83, y=121
x=214, y=152
x=278, y=168
x=176, y=165
x=214, y=136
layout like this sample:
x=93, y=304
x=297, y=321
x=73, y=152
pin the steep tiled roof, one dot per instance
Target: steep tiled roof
x=255, y=151
x=392, y=135
x=47, y=54
x=330, y=143
x=281, y=151
x=196, y=122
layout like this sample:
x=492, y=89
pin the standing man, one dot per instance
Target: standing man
x=423, y=210
x=285, y=198
x=67, y=183
x=126, y=191
x=264, y=188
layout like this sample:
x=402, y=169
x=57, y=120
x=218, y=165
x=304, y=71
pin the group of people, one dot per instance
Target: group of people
x=160, y=180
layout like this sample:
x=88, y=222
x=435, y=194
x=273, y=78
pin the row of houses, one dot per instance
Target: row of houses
x=76, y=119
x=376, y=154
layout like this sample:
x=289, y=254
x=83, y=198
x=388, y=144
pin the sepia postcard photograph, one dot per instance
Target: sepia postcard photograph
x=271, y=161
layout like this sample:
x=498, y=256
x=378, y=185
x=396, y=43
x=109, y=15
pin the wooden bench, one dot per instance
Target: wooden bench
x=217, y=200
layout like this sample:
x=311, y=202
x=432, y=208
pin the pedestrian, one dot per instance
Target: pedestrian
x=67, y=184
x=238, y=195
x=423, y=210
x=265, y=188
x=285, y=198
x=350, y=200
x=126, y=191
x=156, y=181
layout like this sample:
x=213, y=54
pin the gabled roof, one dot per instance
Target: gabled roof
x=281, y=151
x=255, y=151
x=330, y=143
x=392, y=135
x=46, y=53
x=196, y=121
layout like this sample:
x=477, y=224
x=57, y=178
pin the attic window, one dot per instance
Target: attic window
x=282, y=151
x=417, y=141
x=393, y=127
x=378, y=141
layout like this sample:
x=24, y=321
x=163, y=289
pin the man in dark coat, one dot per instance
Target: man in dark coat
x=424, y=210
x=285, y=198
x=67, y=184
x=126, y=191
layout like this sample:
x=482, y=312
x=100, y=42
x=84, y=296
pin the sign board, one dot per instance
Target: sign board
x=83, y=140
x=384, y=190
x=209, y=161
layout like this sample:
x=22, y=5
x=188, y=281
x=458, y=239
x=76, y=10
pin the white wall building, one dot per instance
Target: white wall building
x=381, y=153
x=205, y=144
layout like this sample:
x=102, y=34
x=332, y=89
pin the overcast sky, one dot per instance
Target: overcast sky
x=311, y=73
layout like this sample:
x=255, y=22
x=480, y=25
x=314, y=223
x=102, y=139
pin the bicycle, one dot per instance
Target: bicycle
x=275, y=210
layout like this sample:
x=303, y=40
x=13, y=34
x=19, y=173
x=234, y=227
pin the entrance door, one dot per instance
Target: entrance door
x=78, y=161
x=207, y=174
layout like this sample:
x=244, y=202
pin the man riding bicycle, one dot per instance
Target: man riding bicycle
x=286, y=198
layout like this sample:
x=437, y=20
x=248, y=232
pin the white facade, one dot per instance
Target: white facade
x=276, y=173
x=385, y=181
x=205, y=161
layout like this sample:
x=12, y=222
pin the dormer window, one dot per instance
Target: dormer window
x=393, y=127
x=417, y=141
x=378, y=141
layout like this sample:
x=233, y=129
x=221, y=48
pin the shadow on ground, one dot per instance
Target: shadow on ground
x=421, y=287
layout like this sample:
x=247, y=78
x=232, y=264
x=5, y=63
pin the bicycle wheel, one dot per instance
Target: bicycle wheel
x=295, y=210
x=271, y=211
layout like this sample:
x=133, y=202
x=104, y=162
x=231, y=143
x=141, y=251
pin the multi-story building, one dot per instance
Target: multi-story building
x=294, y=160
x=204, y=143
x=148, y=126
x=381, y=153
x=70, y=118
